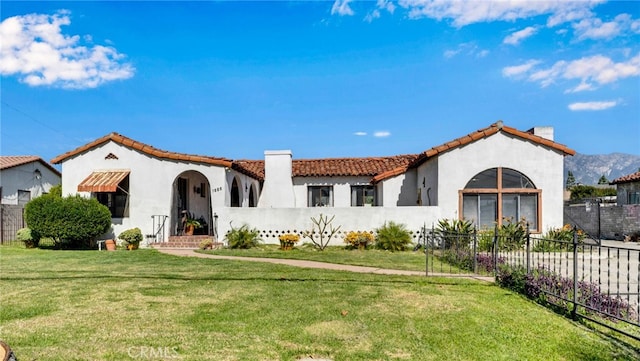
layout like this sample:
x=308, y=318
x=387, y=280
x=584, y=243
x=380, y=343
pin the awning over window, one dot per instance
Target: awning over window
x=103, y=181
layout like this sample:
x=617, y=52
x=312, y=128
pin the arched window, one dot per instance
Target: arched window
x=498, y=194
x=235, y=193
x=252, y=196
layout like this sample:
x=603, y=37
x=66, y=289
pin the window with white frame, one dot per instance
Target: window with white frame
x=363, y=195
x=320, y=196
x=497, y=195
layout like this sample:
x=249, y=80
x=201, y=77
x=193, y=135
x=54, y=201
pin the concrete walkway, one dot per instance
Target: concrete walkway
x=320, y=265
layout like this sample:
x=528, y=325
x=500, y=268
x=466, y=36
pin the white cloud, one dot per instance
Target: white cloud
x=516, y=37
x=469, y=12
x=34, y=48
x=594, y=28
x=513, y=71
x=470, y=49
x=360, y=134
x=380, y=5
x=342, y=8
x=591, y=71
x=381, y=134
x=592, y=105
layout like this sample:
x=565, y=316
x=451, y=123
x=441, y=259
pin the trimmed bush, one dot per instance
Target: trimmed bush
x=131, y=238
x=243, y=237
x=72, y=222
x=28, y=237
x=393, y=237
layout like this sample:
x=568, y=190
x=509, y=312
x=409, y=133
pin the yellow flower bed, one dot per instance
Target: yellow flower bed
x=359, y=239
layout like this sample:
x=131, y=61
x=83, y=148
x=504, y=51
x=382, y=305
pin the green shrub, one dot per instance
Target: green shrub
x=131, y=238
x=28, y=237
x=206, y=244
x=243, y=237
x=512, y=235
x=457, y=233
x=72, y=222
x=393, y=237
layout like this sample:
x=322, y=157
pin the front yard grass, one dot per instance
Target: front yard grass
x=408, y=260
x=132, y=305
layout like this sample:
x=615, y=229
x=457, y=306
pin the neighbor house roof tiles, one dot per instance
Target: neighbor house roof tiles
x=11, y=161
x=633, y=177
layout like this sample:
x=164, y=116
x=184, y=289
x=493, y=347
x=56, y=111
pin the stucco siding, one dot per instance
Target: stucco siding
x=544, y=167
x=22, y=177
x=150, y=183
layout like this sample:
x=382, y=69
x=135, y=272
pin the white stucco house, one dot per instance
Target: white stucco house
x=23, y=178
x=485, y=176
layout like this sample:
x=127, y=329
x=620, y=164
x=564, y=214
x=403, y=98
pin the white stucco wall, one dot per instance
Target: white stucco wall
x=401, y=190
x=150, y=184
x=428, y=173
x=540, y=164
x=276, y=221
x=23, y=177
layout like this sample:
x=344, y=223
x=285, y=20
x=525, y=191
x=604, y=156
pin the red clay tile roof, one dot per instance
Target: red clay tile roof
x=633, y=177
x=16, y=160
x=379, y=168
x=486, y=132
x=332, y=167
x=144, y=148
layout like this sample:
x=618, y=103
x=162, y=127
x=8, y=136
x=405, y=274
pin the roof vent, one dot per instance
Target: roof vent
x=111, y=156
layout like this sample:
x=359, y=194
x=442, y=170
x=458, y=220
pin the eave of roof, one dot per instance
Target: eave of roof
x=7, y=162
x=484, y=133
x=633, y=177
x=143, y=148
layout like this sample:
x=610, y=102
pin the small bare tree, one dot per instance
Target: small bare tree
x=319, y=235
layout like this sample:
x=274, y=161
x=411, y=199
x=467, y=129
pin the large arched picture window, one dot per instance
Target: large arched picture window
x=498, y=194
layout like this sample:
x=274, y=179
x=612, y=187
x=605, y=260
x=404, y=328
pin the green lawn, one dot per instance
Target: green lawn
x=90, y=305
x=411, y=261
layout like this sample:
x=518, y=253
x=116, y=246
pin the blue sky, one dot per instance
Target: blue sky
x=322, y=78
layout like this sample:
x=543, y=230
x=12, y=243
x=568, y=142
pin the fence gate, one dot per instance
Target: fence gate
x=11, y=220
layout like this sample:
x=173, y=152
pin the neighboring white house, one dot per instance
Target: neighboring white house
x=23, y=178
x=486, y=176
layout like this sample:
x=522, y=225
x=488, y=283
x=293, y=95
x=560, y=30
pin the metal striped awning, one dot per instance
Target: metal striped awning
x=103, y=181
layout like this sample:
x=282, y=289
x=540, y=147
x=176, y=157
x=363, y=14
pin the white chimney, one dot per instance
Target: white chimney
x=544, y=132
x=277, y=190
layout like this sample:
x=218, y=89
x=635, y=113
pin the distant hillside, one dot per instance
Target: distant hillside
x=587, y=169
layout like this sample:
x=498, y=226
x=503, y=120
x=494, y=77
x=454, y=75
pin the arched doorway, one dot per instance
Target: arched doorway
x=252, y=196
x=191, y=198
x=235, y=193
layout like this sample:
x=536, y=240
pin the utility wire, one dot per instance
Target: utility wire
x=39, y=122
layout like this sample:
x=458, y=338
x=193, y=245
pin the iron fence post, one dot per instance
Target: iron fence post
x=426, y=249
x=574, y=312
x=495, y=251
x=528, y=239
x=475, y=249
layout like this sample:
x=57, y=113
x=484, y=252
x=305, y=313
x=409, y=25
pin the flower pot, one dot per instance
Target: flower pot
x=189, y=230
x=111, y=244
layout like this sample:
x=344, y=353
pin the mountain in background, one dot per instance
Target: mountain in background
x=587, y=169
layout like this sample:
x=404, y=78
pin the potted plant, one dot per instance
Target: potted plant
x=131, y=238
x=191, y=225
x=287, y=241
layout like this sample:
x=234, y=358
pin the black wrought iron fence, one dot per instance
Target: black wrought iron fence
x=586, y=278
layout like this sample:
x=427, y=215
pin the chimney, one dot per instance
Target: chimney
x=544, y=132
x=277, y=190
